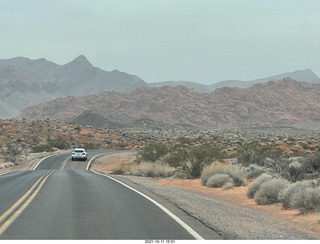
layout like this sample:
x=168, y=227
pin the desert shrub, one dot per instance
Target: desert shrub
x=307, y=200
x=199, y=157
x=91, y=146
x=177, y=157
x=219, y=180
x=122, y=169
x=269, y=191
x=254, y=171
x=255, y=185
x=286, y=196
x=153, y=152
x=153, y=170
x=314, y=162
x=255, y=153
x=235, y=172
x=212, y=169
x=59, y=143
x=42, y=148
x=290, y=170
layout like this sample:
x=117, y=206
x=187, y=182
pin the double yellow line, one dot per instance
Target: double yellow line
x=19, y=206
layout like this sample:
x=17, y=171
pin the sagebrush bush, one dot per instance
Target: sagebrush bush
x=294, y=188
x=254, y=171
x=270, y=190
x=235, y=172
x=254, y=186
x=219, y=180
x=307, y=200
x=212, y=169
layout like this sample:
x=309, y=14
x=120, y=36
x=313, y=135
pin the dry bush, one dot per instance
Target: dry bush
x=254, y=187
x=235, y=172
x=294, y=188
x=254, y=171
x=122, y=169
x=270, y=190
x=307, y=200
x=153, y=170
x=208, y=171
x=219, y=180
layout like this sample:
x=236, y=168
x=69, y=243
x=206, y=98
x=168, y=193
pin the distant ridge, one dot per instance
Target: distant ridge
x=306, y=75
x=277, y=102
x=25, y=82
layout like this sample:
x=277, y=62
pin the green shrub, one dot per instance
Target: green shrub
x=177, y=157
x=254, y=186
x=269, y=191
x=307, y=200
x=59, y=143
x=153, y=152
x=255, y=153
x=91, y=146
x=199, y=157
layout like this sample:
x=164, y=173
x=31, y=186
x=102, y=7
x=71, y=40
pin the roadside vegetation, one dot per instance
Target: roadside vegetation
x=273, y=176
x=277, y=169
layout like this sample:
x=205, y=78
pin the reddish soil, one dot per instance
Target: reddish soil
x=306, y=222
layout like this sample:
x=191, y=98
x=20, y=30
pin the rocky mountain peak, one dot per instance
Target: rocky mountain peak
x=79, y=62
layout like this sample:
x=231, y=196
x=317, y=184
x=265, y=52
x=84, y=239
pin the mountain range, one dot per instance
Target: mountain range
x=306, y=75
x=277, y=102
x=26, y=83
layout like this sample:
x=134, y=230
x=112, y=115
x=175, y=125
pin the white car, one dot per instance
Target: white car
x=79, y=153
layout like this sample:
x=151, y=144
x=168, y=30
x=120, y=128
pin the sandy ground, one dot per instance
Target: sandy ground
x=238, y=196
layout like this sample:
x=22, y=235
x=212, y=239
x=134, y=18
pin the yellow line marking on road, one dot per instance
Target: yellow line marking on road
x=64, y=163
x=7, y=223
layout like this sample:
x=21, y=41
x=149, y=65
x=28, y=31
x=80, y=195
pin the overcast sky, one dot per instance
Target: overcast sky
x=204, y=41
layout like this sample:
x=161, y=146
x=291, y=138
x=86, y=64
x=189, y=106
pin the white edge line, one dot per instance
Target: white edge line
x=93, y=158
x=42, y=160
x=5, y=173
x=176, y=218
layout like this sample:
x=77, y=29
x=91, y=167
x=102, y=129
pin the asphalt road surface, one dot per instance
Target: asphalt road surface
x=61, y=199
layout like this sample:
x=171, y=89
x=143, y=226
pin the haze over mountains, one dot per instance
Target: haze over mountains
x=25, y=82
x=281, y=102
x=82, y=93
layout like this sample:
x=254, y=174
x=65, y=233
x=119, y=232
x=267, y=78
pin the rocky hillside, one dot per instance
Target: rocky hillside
x=279, y=102
x=25, y=82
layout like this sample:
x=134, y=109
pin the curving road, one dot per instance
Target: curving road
x=61, y=199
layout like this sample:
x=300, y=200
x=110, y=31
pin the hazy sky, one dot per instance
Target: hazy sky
x=204, y=41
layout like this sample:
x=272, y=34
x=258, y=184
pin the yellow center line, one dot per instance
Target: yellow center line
x=7, y=223
x=64, y=163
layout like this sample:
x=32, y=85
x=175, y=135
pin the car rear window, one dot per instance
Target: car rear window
x=78, y=151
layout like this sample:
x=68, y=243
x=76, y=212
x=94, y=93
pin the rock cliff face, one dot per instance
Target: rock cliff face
x=25, y=82
x=278, y=102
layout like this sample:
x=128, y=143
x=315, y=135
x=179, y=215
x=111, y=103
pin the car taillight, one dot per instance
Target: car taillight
x=83, y=154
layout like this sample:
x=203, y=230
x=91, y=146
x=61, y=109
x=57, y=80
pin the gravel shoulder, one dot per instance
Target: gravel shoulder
x=217, y=214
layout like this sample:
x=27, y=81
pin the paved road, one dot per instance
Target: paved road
x=60, y=199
